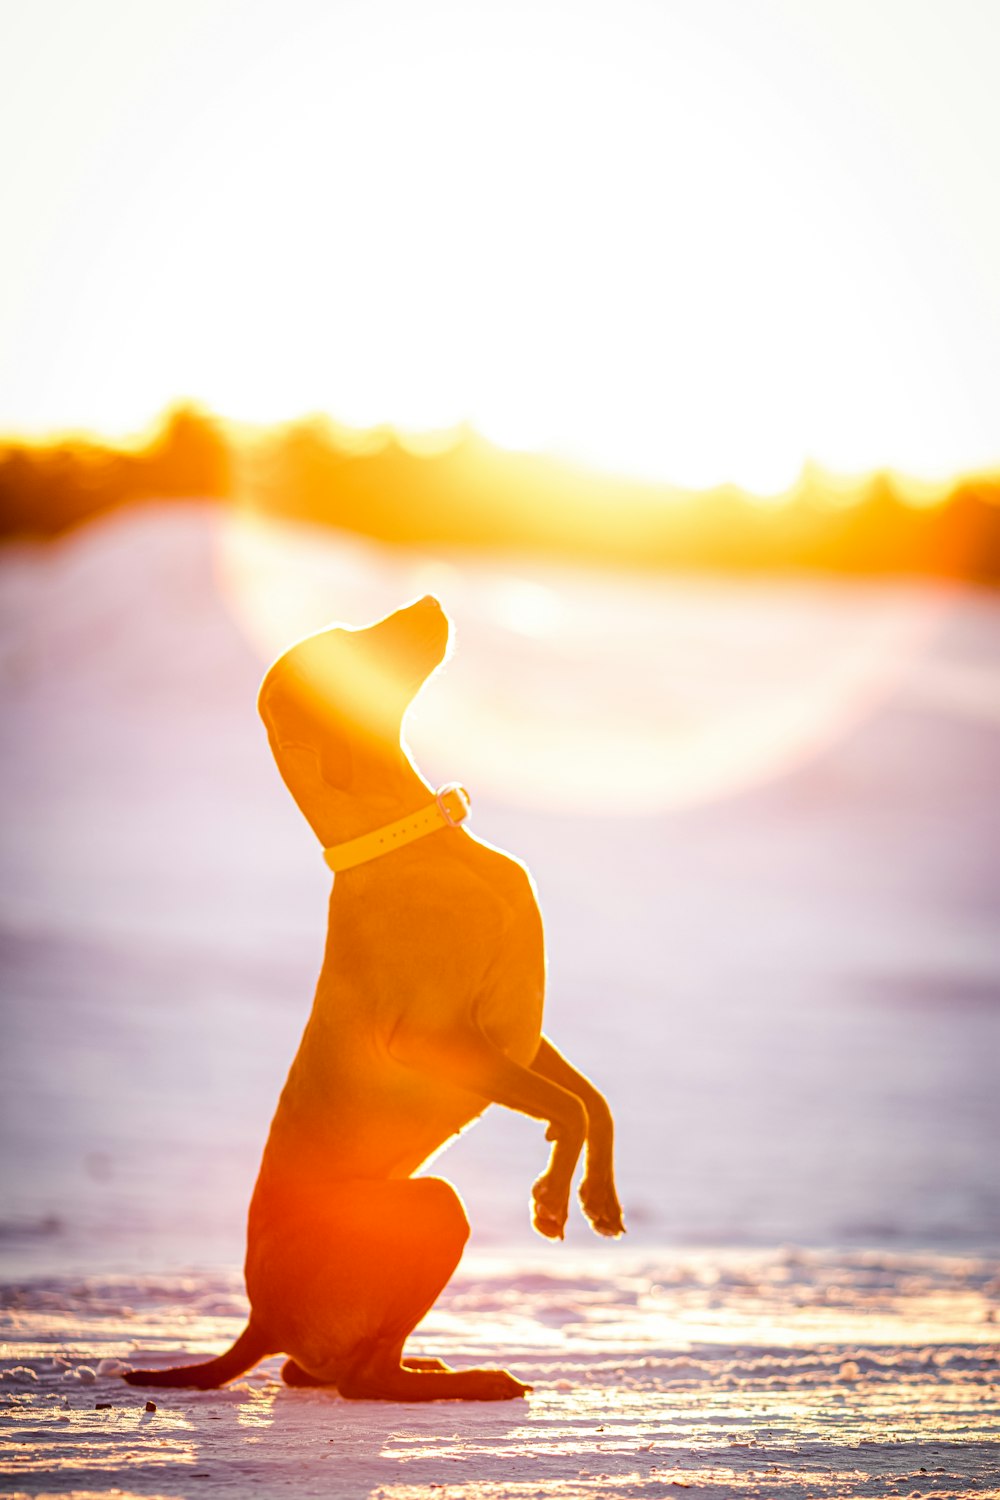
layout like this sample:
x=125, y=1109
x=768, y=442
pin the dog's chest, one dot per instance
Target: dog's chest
x=510, y=1005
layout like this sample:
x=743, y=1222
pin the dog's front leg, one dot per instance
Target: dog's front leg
x=464, y=1057
x=598, y=1195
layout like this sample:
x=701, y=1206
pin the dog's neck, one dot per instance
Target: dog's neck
x=378, y=789
x=350, y=813
x=350, y=817
x=448, y=810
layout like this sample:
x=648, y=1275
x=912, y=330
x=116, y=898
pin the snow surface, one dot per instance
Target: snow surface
x=727, y=1374
x=764, y=822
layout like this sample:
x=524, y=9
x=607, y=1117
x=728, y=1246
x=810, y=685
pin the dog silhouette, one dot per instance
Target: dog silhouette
x=428, y=1009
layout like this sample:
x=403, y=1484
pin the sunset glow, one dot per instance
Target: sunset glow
x=600, y=696
x=700, y=242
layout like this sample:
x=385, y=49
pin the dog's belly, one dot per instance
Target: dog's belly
x=349, y=1111
x=395, y=1123
x=355, y=1113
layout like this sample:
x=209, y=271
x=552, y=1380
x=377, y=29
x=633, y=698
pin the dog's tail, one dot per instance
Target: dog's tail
x=248, y=1349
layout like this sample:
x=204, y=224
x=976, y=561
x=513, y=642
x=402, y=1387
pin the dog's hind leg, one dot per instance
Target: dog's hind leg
x=382, y=1375
x=364, y=1275
x=379, y=1370
x=294, y=1375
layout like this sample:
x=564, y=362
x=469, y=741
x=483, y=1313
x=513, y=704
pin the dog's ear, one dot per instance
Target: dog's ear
x=336, y=762
x=313, y=781
x=330, y=764
x=307, y=742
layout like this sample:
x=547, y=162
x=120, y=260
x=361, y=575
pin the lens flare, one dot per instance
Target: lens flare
x=572, y=690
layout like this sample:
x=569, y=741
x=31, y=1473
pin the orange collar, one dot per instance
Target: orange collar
x=449, y=808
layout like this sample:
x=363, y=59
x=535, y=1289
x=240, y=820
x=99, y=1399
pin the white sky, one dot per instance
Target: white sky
x=696, y=239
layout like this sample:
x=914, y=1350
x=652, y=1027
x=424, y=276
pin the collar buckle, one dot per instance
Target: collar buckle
x=453, y=802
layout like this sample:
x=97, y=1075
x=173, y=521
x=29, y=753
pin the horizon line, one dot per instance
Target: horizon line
x=918, y=490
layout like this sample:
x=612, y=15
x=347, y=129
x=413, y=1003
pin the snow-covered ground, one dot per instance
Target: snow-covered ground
x=764, y=821
x=733, y=1374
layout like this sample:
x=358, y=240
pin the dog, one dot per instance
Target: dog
x=428, y=1009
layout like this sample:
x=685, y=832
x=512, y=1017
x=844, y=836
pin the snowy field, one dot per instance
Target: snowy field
x=764, y=820
x=739, y=1374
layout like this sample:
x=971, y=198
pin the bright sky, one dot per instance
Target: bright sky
x=695, y=239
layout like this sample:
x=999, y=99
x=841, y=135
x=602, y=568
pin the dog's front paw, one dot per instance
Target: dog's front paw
x=599, y=1202
x=549, y=1208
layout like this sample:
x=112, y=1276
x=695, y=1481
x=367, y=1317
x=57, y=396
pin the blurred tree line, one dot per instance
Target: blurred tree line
x=468, y=493
x=46, y=488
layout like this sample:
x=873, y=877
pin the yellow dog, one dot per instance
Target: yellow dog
x=428, y=1008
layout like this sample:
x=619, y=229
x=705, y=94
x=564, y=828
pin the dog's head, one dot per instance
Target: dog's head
x=334, y=703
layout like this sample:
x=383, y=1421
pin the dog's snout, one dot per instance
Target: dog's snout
x=420, y=612
x=425, y=618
